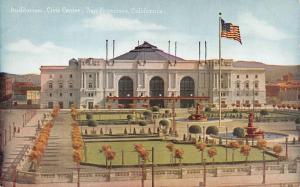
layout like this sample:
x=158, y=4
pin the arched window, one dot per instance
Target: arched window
x=187, y=88
x=125, y=90
x=157, y=90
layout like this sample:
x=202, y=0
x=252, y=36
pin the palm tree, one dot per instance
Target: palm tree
x=277, y=149
x=170, y=147
x=201, y=146
x=234, y=145
x=245, y=150
x=212, y=152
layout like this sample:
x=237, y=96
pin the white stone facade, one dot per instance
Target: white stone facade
x=94, y=79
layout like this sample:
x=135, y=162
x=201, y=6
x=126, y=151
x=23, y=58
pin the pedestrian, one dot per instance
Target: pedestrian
x=15, y=128
x=39, y=124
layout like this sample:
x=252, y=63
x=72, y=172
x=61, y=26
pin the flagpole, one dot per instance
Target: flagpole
x=220, y=30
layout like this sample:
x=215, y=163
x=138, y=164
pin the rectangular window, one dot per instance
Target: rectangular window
x=237, y=85
x=60, y=85
x=256, y=85
x=60, y=76
x=50, y=104
x=71, y=76
x=50, y=95
x=60, y=94
x=71, y=94
x=50, y=85
x=90, y=75
x=256, y=76
x=70, y=85
x=247, y=76
x=90, y=85
x=238, y=76
x=50, y=76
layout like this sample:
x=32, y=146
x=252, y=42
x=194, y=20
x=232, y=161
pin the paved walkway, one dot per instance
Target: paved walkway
x=58, y=156
x=15, y=143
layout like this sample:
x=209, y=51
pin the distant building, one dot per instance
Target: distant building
x=5, y=87
x=25, y=93
x=148, y=71
x=286, y=90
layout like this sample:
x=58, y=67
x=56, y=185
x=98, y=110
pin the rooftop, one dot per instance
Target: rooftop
x=147, y=51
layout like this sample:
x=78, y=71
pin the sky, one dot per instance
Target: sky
x=41, y=32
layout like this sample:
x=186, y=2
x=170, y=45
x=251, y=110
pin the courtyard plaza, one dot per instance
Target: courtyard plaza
x=58, y=154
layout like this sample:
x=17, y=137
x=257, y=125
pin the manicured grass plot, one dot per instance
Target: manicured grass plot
x=104, y=116
x=162, y=155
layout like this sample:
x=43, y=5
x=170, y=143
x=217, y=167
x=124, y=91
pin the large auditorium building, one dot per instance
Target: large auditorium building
x=147, y=71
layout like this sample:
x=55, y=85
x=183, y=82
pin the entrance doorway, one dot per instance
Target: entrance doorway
x=90, y=105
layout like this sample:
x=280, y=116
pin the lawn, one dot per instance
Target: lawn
x=162, y=155
x=109, y=116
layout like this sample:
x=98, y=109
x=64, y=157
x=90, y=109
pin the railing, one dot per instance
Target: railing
x=160, y=173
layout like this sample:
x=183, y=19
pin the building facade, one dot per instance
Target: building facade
x=6, y=87
x=286, y=91
x=148, y=71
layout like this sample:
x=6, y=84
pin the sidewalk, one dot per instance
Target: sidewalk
x=16, y=143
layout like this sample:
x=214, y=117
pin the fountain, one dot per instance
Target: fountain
x=199, y=115
x=252, y=131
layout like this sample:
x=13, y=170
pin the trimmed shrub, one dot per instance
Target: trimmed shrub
x=91, y=123
x=212, y=130
x=195, y=129
x=89, y=116
x=264, y=112
x=239, y=132
x=207, y=109
x=155, y=109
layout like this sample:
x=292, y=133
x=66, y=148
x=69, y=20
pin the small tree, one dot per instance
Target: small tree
x=195, y=129
x=164, y=125
x=297, y=121
x=234, y=145
x=170, y=147
x=261, y=144
x=92, y=123
x=245, y=150
x=207, y=109
x=142, y=124
x=147, y=114
x=239, y=132
x=212, y=152
x=264, y=112
x=179, y=155
x=277, y=150
x=155, y=109
x=212, y=130
x=89, y=116
x=201, y=147
x=129, y=120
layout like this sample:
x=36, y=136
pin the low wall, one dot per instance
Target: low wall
x=160, y=173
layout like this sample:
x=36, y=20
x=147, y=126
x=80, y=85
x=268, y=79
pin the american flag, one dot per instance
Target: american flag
x=230, y=31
